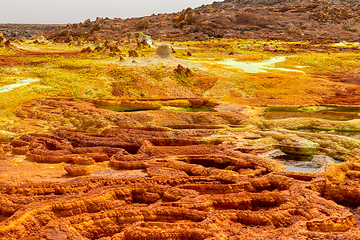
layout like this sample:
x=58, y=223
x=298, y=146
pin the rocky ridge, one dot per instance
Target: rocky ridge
x=317, y=21
x=268, y=3
x=19, y=31
x=292, y=20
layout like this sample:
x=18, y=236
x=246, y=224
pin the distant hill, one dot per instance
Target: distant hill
x=273, y=3
x=288, y=20
x=19, y=31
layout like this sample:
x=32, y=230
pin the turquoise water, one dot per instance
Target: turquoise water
x=298, y=163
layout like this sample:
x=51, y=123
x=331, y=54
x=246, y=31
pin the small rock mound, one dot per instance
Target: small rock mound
x=9, y=46
x=184, y=71
x=86, y=50
x=40, y=40
x=76, y=170
x=164, y=51
x=133, y=53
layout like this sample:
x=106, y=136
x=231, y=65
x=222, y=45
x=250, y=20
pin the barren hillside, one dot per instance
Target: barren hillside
x=283, y=20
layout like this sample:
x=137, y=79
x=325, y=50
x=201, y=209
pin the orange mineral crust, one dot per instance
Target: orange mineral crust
x=133, y=180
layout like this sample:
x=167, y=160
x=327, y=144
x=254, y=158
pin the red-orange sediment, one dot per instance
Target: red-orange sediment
x=190, y=188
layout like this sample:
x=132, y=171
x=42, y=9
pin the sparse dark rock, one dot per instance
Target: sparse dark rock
x=95, y=28
x=68, y=38
x=7, y=43
x=133, y=53
x=184, y=71
x=86, y=50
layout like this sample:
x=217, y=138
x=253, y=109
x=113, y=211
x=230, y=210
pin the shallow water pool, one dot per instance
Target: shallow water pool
x=259, y=67
x=11, y=87
x=330, y=113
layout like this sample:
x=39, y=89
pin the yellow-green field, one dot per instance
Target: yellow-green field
x=304, y=77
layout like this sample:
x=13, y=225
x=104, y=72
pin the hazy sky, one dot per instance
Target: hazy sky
x=73, y=11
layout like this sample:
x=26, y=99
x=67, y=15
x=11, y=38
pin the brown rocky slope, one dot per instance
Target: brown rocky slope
x=18, y=31
x=307, y=20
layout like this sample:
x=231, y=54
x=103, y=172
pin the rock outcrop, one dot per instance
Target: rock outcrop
x=183, y=71
x=325, y=21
